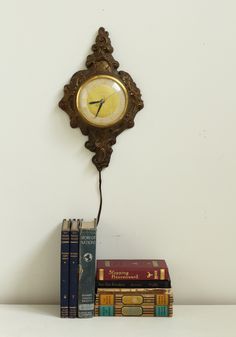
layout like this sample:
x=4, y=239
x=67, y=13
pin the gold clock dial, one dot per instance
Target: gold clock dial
x=102, y=100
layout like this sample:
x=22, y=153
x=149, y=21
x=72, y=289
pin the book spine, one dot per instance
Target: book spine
x=134, y=284
x=87, y=258
x=73, y=289
x=135, y=297
x=135, y=311
x=118, y=274
x=65, y=256
x=134, y=304
x=156, y=291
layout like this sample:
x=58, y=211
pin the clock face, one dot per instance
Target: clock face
x=102, y=100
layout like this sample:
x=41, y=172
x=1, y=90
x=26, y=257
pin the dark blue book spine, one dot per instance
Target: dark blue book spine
x=65, y=254
x=73, y=292
x=87, y=265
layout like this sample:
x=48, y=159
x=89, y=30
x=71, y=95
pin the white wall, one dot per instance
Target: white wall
x=170, y=190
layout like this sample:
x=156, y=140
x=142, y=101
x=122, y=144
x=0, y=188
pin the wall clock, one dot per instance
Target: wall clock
x=101, y=100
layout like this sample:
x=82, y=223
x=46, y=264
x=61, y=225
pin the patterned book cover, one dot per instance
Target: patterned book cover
x=134, y=284
x=65, y=254
x=87, y=269
x=111, y=270
x=137, y=311
x=134, y=302
x=73, y=288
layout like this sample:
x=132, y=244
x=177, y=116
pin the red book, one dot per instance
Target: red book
x=132, y=270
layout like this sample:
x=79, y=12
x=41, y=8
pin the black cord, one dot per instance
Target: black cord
x=100, y=193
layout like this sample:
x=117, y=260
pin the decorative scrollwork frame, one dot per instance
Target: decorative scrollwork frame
x=101, y=61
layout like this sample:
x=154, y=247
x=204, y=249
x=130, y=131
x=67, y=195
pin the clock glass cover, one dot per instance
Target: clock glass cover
x=102, y=100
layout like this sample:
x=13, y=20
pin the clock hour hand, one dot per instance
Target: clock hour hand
x=95, y=102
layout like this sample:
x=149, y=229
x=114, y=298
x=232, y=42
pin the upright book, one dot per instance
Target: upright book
x=73, y=279
x=87, y=267
x=65, y=255
x=120, y=270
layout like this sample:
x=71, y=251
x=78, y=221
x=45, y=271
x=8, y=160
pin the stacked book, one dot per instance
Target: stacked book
x=133, y=288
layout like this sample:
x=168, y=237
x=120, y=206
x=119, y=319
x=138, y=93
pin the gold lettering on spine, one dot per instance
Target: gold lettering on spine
x=132, y=300
x=132, y=311
x=162, y=274
x=155, y=275
x=101, y=274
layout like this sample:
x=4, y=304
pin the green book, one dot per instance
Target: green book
x=87, y=268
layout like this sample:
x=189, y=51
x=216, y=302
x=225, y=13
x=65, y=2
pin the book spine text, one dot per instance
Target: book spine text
x=87, y=265
x=65, y=253
x=73, y=291
x=113, y=274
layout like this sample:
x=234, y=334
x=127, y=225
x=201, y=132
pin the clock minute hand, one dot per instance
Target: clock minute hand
x=99, y=108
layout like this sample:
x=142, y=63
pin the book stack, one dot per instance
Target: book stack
x=133, y=288
x=116, y=287
x=78, y=265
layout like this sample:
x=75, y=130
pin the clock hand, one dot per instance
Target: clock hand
x=94, y=102
x=110, y=95
x=103, y=100
x=100, y=105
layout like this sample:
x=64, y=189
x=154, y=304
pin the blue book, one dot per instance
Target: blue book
x=87, y=268
x=73, y=289
x=65, y=255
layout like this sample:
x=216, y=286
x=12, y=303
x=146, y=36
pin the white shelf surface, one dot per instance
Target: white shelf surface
x=188, y=321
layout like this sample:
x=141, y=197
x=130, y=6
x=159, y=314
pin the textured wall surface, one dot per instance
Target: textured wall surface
x=170, y=190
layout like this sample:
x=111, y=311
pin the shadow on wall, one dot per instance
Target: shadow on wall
x=39, y=277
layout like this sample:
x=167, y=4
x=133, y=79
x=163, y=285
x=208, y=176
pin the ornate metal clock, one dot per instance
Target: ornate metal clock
x=101, y=100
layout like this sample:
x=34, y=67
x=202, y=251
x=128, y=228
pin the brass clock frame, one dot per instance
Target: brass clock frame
x=98, y=77
x=101, y=63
